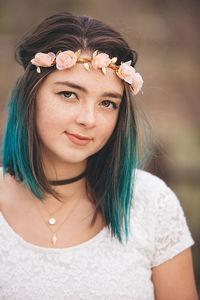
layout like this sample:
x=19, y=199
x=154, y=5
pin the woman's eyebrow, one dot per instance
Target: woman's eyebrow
x=73, y=85
x=83, y=89
x=112, y=95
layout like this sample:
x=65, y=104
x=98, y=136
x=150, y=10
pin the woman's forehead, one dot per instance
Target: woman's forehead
x=88, y=79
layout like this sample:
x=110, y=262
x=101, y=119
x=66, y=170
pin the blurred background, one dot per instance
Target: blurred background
x=166, y=36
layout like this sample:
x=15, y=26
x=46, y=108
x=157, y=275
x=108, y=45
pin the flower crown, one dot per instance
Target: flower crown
x=67, y=59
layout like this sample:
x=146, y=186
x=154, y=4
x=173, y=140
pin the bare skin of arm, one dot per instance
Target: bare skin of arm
x=174, y=279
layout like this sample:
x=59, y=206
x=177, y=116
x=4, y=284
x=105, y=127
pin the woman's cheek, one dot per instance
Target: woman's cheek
x=107, y=130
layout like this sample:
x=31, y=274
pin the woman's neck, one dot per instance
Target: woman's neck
x=69, y=193
x=64, y=171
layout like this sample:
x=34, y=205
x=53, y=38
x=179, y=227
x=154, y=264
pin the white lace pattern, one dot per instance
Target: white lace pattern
x=100, y=268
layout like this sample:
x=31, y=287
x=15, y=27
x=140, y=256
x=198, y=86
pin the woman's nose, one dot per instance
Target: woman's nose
x=86, y=115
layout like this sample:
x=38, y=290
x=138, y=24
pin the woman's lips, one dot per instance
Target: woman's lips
x=77, y=139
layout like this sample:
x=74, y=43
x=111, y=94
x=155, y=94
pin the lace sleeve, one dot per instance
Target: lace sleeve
x=172, y=235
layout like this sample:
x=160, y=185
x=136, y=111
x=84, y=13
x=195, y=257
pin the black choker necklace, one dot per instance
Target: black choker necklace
x=67, y=181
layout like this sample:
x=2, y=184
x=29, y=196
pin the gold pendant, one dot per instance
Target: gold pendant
x=54, y=239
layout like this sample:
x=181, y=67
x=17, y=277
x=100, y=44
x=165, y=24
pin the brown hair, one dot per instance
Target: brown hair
x=63, y=32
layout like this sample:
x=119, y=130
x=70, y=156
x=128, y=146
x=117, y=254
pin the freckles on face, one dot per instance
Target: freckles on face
x=78, y=102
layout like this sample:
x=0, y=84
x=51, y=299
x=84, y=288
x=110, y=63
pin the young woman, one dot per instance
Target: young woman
x=78, y=221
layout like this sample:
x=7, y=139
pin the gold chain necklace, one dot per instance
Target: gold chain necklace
x=54, y=232
x=52, y=220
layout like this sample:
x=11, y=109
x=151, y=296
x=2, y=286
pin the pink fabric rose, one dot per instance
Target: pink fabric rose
x=65, y=60
x=126, y=72
x=137, y=83
x=102, y=60
x=43, y=60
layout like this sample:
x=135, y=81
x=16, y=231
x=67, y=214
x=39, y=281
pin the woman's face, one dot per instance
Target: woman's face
x=76, y=112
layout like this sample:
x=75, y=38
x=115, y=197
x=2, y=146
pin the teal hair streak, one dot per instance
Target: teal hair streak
x=121, y=189
x=15, y=146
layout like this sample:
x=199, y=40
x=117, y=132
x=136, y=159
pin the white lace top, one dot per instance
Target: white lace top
x=100, y=268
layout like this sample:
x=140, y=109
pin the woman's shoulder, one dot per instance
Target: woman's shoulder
x=1, y=186
x=157, y=209
x=7, y=187
x=152, y=192
x=4, y=178
x=3, y=181
x=147, y=182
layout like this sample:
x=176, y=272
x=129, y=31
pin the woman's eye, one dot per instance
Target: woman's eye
x=109, y=104
x=68, y=95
